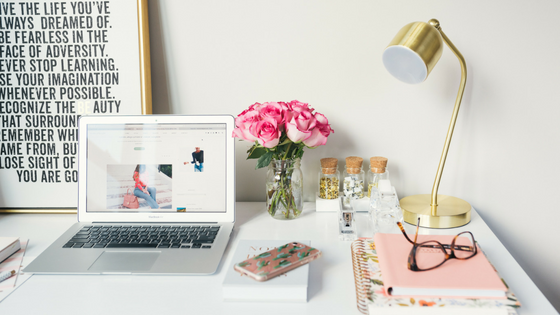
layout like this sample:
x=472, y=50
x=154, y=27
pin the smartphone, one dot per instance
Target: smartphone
x=274, y=262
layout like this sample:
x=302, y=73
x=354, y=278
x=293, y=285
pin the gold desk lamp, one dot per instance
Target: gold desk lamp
x=410, y=57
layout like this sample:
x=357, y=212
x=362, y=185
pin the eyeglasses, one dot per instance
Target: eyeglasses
x=432, y=254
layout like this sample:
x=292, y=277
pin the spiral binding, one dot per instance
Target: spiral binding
x=361, y=278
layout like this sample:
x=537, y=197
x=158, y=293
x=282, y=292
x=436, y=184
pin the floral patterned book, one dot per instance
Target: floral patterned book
x=371, y=298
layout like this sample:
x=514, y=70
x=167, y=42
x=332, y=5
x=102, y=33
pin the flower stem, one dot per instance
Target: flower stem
x=281, y=196
x=287, y=150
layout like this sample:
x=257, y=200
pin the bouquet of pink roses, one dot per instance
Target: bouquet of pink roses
x=281, y=130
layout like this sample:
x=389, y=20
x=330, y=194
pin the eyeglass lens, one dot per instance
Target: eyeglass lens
x=464, y=250
x=429, y=254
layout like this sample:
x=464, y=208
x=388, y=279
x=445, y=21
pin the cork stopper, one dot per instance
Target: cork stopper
x=354, y=164
x=328, y=165
x=378, y=164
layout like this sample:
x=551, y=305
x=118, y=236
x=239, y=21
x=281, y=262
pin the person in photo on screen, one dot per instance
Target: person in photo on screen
x=198, y=160
x=142, y=188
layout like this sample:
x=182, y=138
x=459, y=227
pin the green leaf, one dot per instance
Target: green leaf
x=378, y=282
x=256, y=152
x=298, y=152
x=264, y=160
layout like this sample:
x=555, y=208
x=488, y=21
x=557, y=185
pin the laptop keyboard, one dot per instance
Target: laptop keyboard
x=144, y=236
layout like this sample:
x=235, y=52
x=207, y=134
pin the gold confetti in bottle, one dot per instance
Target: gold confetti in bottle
x=329, y=179
x=377, y=170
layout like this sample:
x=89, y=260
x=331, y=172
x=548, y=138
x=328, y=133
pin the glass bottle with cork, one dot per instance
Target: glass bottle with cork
x=329, y=179
x=353, y=187
x=377, y=171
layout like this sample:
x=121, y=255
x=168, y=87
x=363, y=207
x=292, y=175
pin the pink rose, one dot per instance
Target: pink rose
x=320, y=133
x=300, y=126
x=244, y=122
x=266, y=123
x=298, y=106
x=252, y=107
x=272, y=110
x=285, y=106
x=267, y=132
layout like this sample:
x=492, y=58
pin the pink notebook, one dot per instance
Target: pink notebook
x=471, y=278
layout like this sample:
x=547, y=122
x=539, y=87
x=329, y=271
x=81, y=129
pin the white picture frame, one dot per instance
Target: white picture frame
x=60, y=60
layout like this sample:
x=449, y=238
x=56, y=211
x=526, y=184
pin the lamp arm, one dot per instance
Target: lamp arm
x=453, y=119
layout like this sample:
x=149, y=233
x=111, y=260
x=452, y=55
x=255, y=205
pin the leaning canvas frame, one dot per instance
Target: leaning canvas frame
x=109, y=35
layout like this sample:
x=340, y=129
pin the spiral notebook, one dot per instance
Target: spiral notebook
x=371, y=297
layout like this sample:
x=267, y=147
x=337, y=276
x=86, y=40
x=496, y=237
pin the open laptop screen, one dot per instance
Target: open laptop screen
x=170, y=167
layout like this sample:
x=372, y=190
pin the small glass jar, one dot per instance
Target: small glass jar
x=284, y=189
x=329, y=179
x=377, y=170
x=353, y=176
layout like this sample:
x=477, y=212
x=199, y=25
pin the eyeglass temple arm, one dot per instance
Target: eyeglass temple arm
x=404, y=232
x=417, y=227
x=447, y=246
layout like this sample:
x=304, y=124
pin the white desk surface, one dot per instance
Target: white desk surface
x=331, y=283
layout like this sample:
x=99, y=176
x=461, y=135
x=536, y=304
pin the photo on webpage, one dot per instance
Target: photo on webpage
x=139, y=187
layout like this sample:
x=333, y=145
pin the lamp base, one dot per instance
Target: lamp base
x=451, y=211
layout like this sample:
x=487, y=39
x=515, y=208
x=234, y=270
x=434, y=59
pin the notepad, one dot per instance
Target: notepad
x=13, y=262
x=8, y=246
x=471, y=278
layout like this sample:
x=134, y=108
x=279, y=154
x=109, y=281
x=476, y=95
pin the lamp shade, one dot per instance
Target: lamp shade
x=413, y=53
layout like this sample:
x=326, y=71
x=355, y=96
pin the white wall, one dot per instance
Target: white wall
x=221, y=56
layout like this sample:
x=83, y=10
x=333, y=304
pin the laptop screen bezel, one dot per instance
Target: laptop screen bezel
x=171, y=217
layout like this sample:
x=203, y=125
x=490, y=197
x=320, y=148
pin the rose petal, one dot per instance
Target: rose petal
x=318, y=136
x=315, y=139
x=294, y=133
x=321, y=119
x=243, y=134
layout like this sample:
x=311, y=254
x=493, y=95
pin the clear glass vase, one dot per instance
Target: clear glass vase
x=284, y=189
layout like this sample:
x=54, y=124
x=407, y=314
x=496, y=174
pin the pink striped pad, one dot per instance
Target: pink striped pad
x=12, y=263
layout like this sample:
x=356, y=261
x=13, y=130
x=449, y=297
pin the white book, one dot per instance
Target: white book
x=8, y=246
x=288, y=287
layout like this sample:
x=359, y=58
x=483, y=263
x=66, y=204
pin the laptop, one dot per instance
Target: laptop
x=155, y=196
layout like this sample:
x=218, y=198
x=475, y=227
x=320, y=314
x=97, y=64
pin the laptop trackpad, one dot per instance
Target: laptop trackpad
x=124, y=261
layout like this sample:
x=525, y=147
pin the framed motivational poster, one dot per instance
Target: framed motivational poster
x=60, y=60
